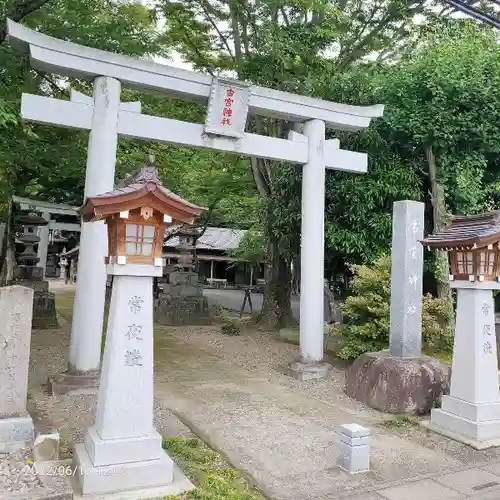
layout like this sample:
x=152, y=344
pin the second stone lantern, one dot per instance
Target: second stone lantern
x=123, y=451
x=471, y=413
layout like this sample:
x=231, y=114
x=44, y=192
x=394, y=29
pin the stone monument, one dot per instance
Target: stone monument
x=402, y=381
x=182, y=301
x=471, y=412
x=123, y=451
x=16, y=426
x=28, y=274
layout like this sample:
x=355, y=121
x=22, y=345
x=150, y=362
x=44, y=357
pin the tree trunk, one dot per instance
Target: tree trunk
x=8, y=251
x=442, y=274
x=439, y=215
x=276, y=307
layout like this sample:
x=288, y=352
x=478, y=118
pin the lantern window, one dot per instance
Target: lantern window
x=139, y=239
x=486, y=263
x=465, y=263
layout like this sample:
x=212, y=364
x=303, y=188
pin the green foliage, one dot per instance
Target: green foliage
x=367, y=313
x=298, y=47
x=400, y=421
x=251, y=248
x=48, y=162
x=231, y=328
x=215, y=480
x=446, y=95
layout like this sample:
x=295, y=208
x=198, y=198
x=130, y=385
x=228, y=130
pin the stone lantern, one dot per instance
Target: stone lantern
x=471, y=413
x=27, y=273
x=27, y=268
x=123, y=451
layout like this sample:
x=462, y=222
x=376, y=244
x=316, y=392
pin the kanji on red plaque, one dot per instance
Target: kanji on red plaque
x=230, y=92
x=227, y=112
x=226, y=121
x=228, y=101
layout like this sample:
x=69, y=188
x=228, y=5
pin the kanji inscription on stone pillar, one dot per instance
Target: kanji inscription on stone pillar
x=406, y=279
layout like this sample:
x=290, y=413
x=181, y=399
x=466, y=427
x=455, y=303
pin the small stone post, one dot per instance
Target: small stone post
x=16, y=310
x=405, y=337
x=354, y=448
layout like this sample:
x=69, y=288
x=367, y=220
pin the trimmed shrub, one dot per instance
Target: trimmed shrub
x=366, y=314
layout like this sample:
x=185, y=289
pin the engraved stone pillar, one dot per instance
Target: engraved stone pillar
x=16, y=309
x=405, y=337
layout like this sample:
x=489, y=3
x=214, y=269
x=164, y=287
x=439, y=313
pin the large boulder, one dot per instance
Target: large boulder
x=395, y=385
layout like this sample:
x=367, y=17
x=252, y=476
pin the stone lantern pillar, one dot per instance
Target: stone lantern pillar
x=123, y=451
x=471, y=412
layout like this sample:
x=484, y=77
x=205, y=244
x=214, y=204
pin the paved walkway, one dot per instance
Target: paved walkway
x=288, y=443
x=233, y=299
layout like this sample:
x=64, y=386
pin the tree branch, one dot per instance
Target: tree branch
x=17, y=11
x=53, y=84
x=215, y=27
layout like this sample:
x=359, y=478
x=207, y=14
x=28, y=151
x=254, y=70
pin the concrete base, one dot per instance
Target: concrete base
x=479, y=434
x=97, y=480
x=104, y=452
x=473, y=443
x=180, y=484
x=307, y=370
x=15, y=433
x=69, y=383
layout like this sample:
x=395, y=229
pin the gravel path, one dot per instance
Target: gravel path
x=17, y=474
x=261, y=352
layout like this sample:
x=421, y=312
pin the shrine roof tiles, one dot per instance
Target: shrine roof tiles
x=143, y=183
x=467, y=232
x=215, y=238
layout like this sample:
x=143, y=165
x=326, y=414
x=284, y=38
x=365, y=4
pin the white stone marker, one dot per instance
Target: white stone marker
x=405, y=337
x=16, y=310
x=123, y=450
x=471, y=413
x=354, y=448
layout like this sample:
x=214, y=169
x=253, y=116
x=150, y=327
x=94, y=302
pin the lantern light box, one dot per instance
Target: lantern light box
x=136, y=215
x=473, y=243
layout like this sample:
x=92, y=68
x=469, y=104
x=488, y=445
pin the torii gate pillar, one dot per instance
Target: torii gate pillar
x=88, y=312
x=312, y=252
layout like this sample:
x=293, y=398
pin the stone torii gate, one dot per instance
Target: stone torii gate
x=229, y=103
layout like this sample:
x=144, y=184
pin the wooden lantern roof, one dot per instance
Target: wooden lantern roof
x=467, y=232
x=143, y=188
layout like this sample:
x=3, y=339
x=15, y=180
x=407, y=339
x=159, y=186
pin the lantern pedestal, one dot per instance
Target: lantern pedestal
x=123, y=451
x=471, y=413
